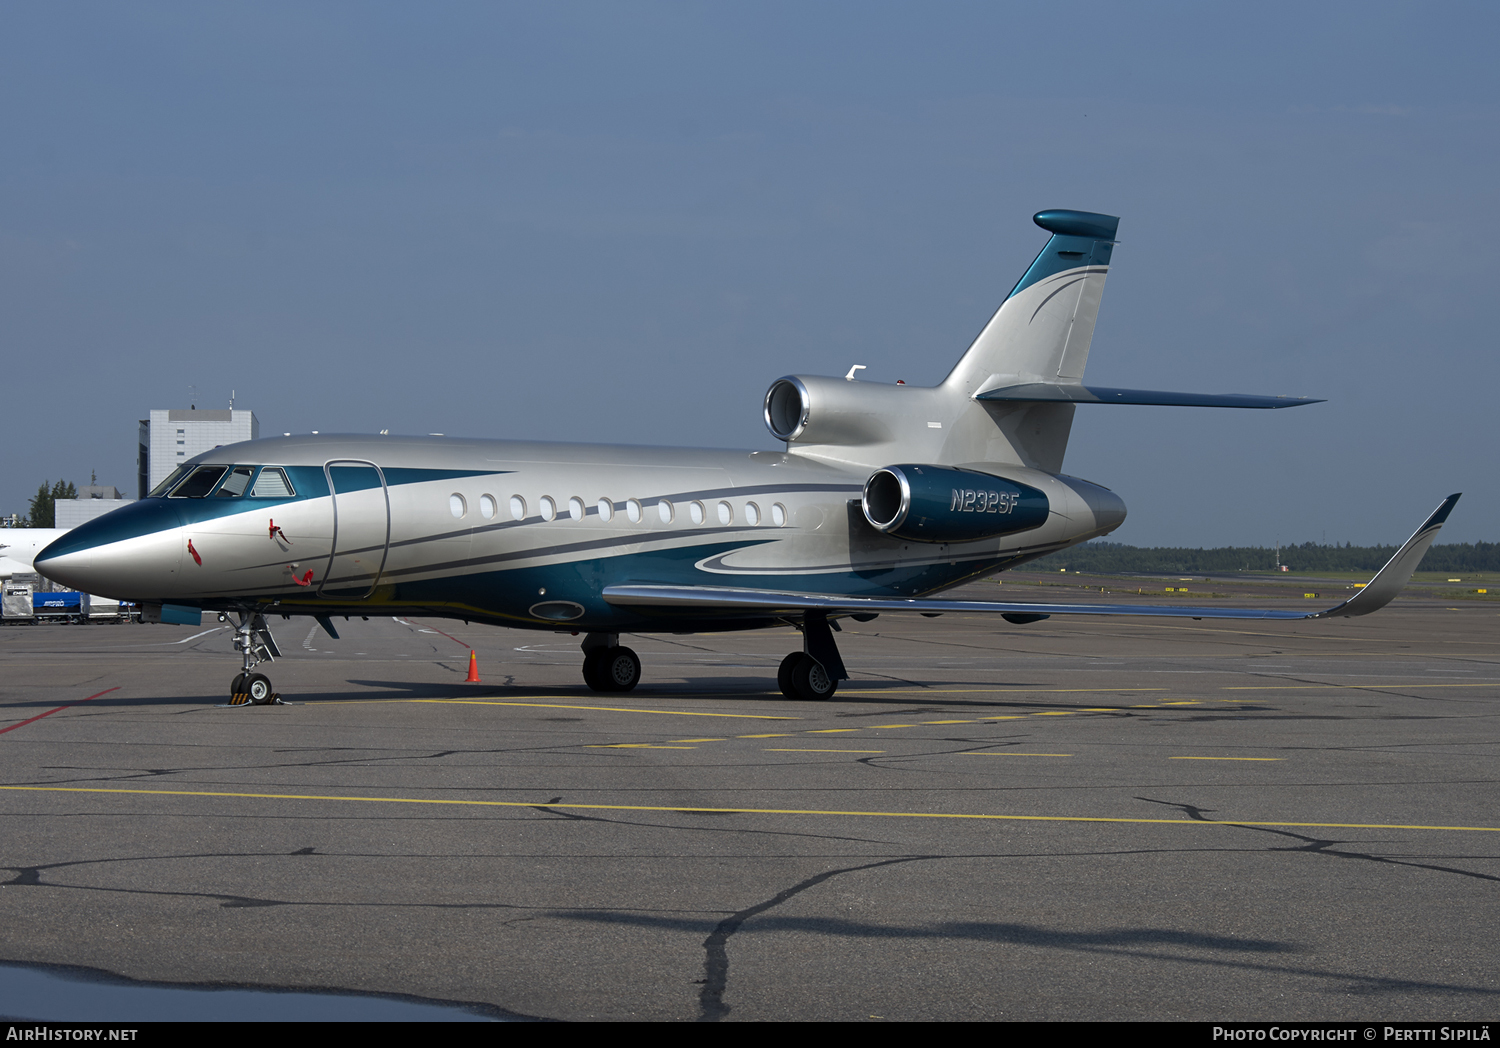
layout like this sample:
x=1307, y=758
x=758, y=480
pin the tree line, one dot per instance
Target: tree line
x=42, y=511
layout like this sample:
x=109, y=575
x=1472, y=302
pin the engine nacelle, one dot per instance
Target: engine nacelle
x=941, y=504
x=809, y=409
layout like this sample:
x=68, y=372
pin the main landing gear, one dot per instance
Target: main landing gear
x=253, y=640
x=814, y=672
x=811, y=674
x=607, y=666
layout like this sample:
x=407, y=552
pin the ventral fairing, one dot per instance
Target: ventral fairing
x=884, y=497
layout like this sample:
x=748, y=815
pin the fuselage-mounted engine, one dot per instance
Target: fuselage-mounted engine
x=941, y=504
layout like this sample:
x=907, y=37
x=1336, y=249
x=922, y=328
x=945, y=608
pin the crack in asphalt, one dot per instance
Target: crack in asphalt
x=711, y=1006
x=1316, y=845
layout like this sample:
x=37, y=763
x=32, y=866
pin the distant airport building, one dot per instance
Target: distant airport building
x=92, y=501
x=172, y=436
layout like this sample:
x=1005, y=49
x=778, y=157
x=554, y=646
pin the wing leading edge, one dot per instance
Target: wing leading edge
x=1376, y=594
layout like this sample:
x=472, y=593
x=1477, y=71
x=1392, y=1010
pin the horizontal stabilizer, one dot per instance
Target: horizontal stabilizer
x=1049, y=392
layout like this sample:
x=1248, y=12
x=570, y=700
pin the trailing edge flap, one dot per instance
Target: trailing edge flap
x=778, y=603
x=1049, y=392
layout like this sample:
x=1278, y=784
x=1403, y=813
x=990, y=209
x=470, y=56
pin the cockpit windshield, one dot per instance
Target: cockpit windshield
x=165, y=486
x=199, y=483
x=205, y=481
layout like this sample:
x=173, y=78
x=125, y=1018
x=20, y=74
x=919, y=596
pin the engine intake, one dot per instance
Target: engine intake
x=940, y=504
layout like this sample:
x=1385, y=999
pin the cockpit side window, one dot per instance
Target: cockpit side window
x=199, y=483
x=166, y=485
x=235, y=484
x=272, y=484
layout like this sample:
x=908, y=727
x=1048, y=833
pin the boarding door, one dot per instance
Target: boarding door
x=361, y=529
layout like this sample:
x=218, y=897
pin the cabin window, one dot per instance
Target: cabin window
x=752, y=514
x=272, y=484
x=695, y=511
x=606, y=510
x=487, y=507
x=517, y=507
x=235, y=484
x=633, y=510
x=200, y=482
x=575, y=508
x=547, y=507
x=457, y=506
x=778, y=515
x=665, y=512
x=726, y=513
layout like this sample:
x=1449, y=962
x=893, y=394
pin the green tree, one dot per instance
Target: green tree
x=43, y=513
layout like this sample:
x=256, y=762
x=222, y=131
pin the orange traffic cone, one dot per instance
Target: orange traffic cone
x=473, y=677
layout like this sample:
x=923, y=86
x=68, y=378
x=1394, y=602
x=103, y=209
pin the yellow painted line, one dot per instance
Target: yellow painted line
x=1008, y=753
x=952, y=722
x=601, y=709
x=699, y=740
x=877, y=726
x=1182, y=702
x=788, y=750
x=1360, y=687
x=1101, y=709
x=784, y=735
x=997, y=691
x=636, y=746
x=1226, y=758
x=829, y=731
x=451, y=802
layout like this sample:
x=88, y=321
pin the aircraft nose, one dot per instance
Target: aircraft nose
x=73, y=570
x=133, y=553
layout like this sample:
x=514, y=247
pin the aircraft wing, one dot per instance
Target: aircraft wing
x=1376, y=594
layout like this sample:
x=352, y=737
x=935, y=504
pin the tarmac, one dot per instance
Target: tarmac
x=1072, y=819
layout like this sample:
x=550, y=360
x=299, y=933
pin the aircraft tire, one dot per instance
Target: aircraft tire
x=259, y=687
x=811, y=681
x=237, y=686
x=621, y=669
x=784, y=674
x=593, y=671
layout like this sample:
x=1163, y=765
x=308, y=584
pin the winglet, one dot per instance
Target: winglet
x=1392, y=578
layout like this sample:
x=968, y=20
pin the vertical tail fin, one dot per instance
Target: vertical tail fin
x=1042, y=331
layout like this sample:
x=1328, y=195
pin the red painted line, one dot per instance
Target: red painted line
x=49, y=713
x=434, y=629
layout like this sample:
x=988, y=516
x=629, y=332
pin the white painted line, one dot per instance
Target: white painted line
x=195, y=636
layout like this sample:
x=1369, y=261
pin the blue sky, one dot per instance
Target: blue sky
x=621, y=222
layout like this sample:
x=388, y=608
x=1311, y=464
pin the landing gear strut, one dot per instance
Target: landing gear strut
x=607, y=666
x=814, y=672
x=253, y=640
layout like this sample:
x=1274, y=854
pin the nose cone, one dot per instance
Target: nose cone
x=133, y=553
x=1107, y=507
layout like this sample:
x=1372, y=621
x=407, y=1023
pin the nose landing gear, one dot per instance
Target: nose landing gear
x=253, y=640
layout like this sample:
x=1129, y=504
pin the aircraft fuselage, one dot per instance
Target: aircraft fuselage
x=529, y=535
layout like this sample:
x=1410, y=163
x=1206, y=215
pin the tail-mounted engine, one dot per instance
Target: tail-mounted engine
x=808, y=409
x=939, y=504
